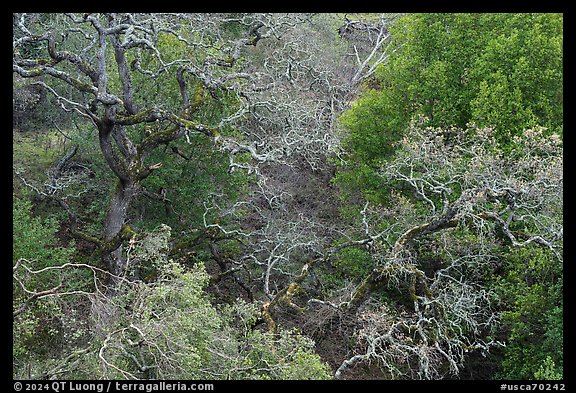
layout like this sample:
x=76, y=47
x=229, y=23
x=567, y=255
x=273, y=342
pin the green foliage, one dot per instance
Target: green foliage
x=288, y=356
x=520, y=74
x=187, y=183
x=207, y=342
x=454, y=69
x=186, y=325
x=548, y=370
x=33, y=153
x=169, y=329
x=242, y=351
x=500, y=104
x=34, y=238
x=36, y=330
x=372, y=129
x=354, y=262
x=464, y=61
x=188, y=338
x=531, y=300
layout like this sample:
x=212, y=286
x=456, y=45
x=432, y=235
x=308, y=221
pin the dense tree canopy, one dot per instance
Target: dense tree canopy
x=287, y=196
x=494, y=70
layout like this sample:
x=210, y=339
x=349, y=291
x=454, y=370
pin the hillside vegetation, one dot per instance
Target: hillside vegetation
x=288, y=196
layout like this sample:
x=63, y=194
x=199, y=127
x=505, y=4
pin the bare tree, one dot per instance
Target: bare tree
x=467, y=184
x=369, y=43
x=462, y=183
x=287, y=88
x=94, y=65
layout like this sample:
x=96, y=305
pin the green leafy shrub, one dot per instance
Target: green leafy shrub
x=454, y=69
x=36, y=327
x=169, y=329
x=531, y=301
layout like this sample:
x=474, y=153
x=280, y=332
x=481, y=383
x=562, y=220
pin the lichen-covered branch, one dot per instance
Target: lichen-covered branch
x=451, y=310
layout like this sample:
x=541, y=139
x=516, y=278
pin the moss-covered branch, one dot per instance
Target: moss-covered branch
x=84, y=236
x=380, y=274
x=126, y=233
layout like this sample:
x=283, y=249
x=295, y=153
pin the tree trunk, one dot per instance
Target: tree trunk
x=121, y=198
x=114, y=224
